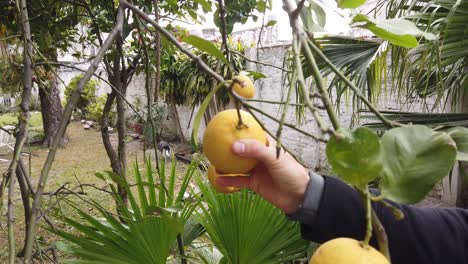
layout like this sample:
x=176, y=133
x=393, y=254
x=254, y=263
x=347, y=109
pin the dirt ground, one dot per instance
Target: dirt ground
x=76, y=163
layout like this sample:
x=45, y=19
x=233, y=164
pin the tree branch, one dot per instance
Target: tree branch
x=61, y=131
x=23, y=124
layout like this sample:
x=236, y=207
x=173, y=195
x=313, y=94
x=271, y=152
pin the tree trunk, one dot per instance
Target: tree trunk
x=180, y=131
x=51, y=108
x=114, y=159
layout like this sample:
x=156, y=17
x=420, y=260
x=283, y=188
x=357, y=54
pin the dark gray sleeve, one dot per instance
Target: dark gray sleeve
x=425, y=235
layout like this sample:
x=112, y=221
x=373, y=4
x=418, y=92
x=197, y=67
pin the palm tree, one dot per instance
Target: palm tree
x=437, y=68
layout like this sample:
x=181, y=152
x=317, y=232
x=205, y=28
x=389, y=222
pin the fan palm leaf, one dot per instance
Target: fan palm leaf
x=247, y=229
x=147, y=234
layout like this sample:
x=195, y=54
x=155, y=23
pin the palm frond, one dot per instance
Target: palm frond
x=247, y=229
x=435, y=68
x=434, y=120
x=155, y=218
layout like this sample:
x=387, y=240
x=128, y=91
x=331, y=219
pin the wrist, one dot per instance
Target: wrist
x=296, y=198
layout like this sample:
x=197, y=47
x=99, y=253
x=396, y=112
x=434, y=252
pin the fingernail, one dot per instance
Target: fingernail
x=238, y=147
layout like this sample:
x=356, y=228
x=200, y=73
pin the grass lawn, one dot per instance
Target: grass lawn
x=12, y=118
x=75, y=163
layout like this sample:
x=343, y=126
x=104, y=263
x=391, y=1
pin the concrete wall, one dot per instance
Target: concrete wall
x=272, y=88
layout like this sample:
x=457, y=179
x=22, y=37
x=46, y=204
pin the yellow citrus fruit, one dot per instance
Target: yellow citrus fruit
x=212, y=175
x=243, y=86
x=347, y=251
x=222, y=131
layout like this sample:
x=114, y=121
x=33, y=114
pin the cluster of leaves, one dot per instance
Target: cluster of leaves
x=185, y=82
x=150, y=226
x=88, y=96
x=408, y=160
x=159, y=113
x=95, y=109
x=161, y=209
x=240, y=12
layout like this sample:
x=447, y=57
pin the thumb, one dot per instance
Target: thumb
x=251, y=148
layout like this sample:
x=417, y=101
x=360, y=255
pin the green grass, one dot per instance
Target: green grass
x=12, y=119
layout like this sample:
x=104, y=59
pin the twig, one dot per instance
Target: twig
x=259, y=62
x=305, y=92
x=314, y=137
x=61, y=131
x=149, y=116
x=174, y=41
x=381, y=235
x=320, y=84
x=282, y=121
x=368, y=209
x=225, y=45
x=271, y=102
x=273, y=136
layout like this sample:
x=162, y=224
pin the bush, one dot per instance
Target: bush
x=87, y=97
x=94, y=110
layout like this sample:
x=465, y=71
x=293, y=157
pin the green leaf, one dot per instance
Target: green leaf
x=398, y=31
x=313, y=17
x=255, y=75
x=355, y=156
x=201, y=111
x=350, y=3
x=230, y=220
x=460, y=136
x=205, y=46
x=271, y=23
x=206, y=5
x=415, y=159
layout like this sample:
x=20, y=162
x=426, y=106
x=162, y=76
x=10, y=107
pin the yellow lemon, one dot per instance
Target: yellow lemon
x=347, y=251
x=212, y=175
x=243, y=86
x=222, y=131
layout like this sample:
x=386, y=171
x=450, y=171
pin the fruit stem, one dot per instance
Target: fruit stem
x=240, y=124
x=373, y=224
x=368, y=207
x=381, y=236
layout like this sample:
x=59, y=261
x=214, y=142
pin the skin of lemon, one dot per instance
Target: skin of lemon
x=222, y=132
x=247, y=89
x=347, y=251
x=212, y=175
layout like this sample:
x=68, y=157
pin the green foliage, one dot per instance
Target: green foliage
x=415, y=159
x=159, y=113
x=157, y=214
x=436, y=67
x=205, y=46
x=94, y=110
x=355, y=155
x=313, y=17
x=362, y=61
x=183, y=81
x=240, y=12
x=11, y=78
x=350, y=3
x=247, y=229
x=460, y=136
x=398, y=31
x=88, y=96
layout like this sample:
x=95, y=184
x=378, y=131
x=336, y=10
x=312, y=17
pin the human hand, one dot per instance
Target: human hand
x=282, y=182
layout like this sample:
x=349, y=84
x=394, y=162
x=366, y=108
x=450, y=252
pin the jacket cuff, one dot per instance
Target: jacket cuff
x=307, y=211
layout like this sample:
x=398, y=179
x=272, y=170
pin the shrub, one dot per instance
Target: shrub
x=95, y=108
x=87, y=97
